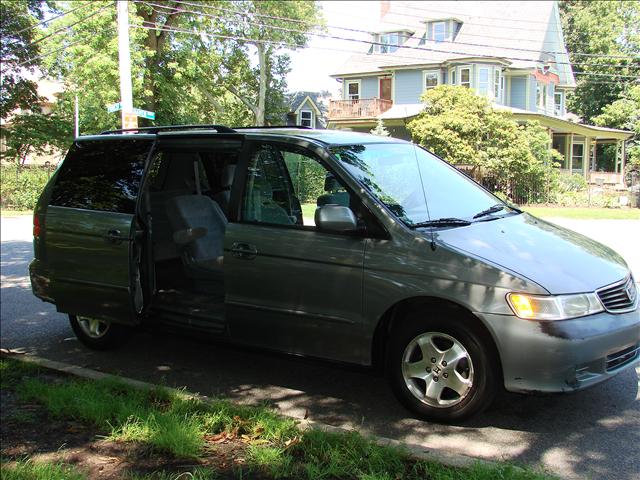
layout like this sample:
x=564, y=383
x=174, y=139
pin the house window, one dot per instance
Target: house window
x=497, y=85
x=431, y=79
x=541, y=92
x=558, y=101
x=439, y=31
x=353, y=90
x=577, y=157
x=452, y=76
x=483, y=81
x=390, y=42
x=306, y=118
x=465, y=77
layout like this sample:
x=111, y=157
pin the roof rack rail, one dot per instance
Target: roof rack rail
x=217, y=128
x=301, y=127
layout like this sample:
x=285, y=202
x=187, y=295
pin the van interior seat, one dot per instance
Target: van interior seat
x=203, y=254
x=226, y=181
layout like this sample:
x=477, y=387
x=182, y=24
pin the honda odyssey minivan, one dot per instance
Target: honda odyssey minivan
x=345, y=246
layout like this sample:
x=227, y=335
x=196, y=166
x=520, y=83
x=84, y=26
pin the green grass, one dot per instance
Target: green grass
x=29, y=470
x=171, y=422
x=585, y=213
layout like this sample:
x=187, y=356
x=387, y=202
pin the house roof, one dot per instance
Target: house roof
x=298, y=98
x=488, y=30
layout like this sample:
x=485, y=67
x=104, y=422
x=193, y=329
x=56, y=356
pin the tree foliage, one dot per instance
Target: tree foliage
x=17, y=19
x=624, y=113
x=601, y=27
x=380, y=129
x=195, y=62
x=462, y=128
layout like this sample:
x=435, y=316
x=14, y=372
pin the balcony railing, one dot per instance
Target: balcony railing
x=362, y=108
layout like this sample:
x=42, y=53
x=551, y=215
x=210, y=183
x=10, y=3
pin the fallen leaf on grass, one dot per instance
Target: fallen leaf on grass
x=291, y=442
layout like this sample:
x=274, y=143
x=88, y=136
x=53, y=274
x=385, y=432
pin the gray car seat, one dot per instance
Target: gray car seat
x=198, y=224
x=226, y=181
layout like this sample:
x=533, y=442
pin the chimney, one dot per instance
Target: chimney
x=385, y=6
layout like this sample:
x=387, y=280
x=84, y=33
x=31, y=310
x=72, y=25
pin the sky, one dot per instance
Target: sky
x=311, y=67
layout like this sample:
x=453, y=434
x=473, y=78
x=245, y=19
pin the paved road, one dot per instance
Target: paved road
x=590, y=434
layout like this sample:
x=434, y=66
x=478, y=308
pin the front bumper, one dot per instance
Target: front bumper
x=565, y=355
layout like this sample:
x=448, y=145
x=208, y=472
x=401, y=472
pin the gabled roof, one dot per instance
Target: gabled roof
x=298, y=98
x=488, y=30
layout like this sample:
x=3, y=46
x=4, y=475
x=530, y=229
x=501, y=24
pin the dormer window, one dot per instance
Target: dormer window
x=439, y=31
x=389, y=42
x=443, y=30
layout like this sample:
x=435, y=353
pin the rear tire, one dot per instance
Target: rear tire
x=441, y=368
x=98, y=334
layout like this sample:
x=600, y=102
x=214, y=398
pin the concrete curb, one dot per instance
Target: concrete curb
x=418, y=452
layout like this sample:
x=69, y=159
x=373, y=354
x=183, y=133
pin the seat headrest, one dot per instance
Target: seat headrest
x=228, y=172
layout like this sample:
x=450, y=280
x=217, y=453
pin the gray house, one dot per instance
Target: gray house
x=513, y=53
x=307, y=109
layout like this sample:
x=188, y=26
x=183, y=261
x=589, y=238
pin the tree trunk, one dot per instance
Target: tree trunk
x=262, y=90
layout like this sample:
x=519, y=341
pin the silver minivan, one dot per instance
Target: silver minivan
x=345, y=246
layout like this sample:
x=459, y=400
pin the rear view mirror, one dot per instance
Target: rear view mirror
x=335, y=218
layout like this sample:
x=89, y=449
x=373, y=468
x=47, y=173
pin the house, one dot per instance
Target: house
x=307, y=109
x=511, y=52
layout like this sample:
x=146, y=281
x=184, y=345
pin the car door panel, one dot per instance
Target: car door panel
x=91, y=258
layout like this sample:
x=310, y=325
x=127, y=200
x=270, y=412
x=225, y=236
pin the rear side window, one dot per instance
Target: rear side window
x=101, y=175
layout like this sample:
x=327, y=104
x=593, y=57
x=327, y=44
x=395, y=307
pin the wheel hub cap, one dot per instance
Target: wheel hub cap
x=93, y=327
x=437, y=369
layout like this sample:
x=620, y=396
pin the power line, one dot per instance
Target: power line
x=250, y=40
x=368, y=42
x=53, y=18
x=71, y=25
x=182, y=2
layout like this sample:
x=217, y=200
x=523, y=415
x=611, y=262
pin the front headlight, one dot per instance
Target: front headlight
x=554, y=307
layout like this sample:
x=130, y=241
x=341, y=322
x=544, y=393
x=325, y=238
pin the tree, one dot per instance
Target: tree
x=34, y=133
x=17, y=19
x=191, y=63
x=380, y=129
x=462, y=128
x=624, y=113
x=598, y=27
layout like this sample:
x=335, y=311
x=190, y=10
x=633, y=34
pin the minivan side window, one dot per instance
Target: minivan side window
x=285, y=185
x=101, y=175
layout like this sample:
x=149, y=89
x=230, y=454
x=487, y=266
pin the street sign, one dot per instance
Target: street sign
x=114, y=107
x=144, y=113
x=129, y=120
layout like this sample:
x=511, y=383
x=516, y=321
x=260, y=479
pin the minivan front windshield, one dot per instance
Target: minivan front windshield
x=418, y=187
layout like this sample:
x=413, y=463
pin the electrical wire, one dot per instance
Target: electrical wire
x=273, y=17
x=53, y=18
x=251, y=40
x=368, y=42
x=70, y=25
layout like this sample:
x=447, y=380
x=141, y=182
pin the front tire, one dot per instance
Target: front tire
x=98, y=334
x=441, y=369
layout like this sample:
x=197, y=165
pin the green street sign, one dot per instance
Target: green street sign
x=144, y=113
x=114, y=107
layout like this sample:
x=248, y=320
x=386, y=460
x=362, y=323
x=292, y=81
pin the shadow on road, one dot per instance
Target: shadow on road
x=592, y=433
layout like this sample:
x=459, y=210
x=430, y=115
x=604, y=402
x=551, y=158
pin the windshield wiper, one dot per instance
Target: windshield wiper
x=441, y=222
x=496, y=208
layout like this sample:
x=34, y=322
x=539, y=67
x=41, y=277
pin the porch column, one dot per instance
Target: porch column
x=586, y=158
x=569, y=151
x=623, y=158
x=617, y=164
x=594, y=162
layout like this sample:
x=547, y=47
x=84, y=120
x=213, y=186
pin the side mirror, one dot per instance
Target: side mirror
x=335, y=218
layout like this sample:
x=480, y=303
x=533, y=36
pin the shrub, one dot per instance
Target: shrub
x=21, y=186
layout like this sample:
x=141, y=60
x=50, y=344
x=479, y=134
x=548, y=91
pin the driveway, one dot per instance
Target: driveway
x=590, y=434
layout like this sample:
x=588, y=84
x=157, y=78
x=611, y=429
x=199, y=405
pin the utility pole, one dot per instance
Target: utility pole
x=129, y=120
x=77, y=118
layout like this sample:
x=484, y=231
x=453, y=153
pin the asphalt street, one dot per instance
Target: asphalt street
x=589, y=434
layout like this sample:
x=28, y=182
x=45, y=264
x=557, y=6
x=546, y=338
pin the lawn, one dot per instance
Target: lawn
x=161, y=433
x=585, y=213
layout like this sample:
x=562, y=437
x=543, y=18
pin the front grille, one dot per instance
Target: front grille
x=619, y=297
x=622, y=357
